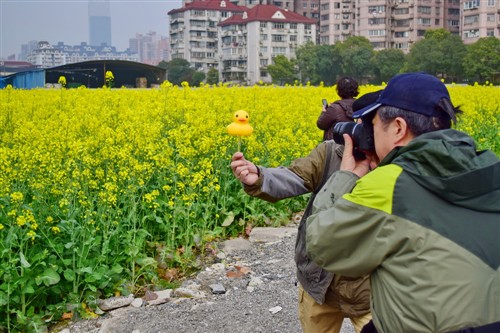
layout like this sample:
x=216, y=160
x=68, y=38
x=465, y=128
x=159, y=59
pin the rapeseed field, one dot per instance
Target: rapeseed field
x=109, y=191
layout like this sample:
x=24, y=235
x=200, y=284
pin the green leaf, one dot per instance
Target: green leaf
x=147, y=261
x=24, y=262
x=3, y=298
x=88, y=270
x=117, y=269
x=28, y=289
x=228, y=220
x=49, y=277
x=69, y=275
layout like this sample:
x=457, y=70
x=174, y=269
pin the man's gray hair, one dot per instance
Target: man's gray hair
x=419, y=123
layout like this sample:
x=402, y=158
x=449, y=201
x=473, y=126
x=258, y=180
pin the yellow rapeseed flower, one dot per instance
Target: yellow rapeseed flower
x=17, y=197
x=31, y=234
x=21, y=220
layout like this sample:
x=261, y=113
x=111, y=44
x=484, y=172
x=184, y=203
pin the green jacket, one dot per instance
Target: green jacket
x=306, y=175
x=425, y=224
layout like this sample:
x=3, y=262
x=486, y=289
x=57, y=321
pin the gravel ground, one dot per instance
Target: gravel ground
x=262, y=300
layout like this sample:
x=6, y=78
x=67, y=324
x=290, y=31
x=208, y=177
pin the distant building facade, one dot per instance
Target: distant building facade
x=99, y=23
x=480, y=18
x=193, y=31
x=249, y=41
x=238, y=41
x=151, y=48
x=47, y=55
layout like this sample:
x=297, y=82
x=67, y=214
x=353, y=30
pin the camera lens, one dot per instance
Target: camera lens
x=343, y=127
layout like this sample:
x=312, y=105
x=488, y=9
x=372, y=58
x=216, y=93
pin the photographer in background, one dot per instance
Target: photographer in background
x=424, y=224
x=341, y=110
x=325, y=299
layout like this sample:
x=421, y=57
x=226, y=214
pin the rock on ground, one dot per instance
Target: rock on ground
x=252, y=289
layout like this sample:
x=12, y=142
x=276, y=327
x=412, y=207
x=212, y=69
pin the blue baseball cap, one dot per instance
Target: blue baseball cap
x=415, y=92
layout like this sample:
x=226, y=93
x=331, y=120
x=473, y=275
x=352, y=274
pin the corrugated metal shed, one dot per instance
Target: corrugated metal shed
x=24, y=80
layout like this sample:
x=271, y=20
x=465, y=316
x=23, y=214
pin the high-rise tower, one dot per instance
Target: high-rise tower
x=99, y=23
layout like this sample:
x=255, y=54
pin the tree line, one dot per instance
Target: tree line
x=439, y=53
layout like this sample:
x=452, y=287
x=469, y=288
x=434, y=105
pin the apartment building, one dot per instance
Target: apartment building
x=151, y=48
x=480, y=18
x=399, y=23
x=249, y=41
x=337, y=20
x=193, y=31
x=47, y=55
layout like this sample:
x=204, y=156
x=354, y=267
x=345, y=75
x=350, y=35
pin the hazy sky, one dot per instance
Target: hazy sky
x=67, y=21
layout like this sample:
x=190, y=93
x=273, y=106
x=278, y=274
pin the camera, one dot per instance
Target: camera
x=361, y=134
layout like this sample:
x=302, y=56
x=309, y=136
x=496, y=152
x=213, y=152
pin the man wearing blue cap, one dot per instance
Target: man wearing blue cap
x=325, y=299
x=424, y=224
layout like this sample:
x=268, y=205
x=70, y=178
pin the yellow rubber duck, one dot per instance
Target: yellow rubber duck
x=240, y=125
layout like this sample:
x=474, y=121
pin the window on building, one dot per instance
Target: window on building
x=378, y=20
x=401, y=45
x=402, y=23
x=401, y=11
x=336, y=26
x=278, y=38
x=263, y=74
x=437, y=22
x=424, y=9
x=421, y=33
x=376, y=9
x=470, y=20
x=263, y=24
x=264, y=62
x=453, y=23
x=424, y=21
x=293, y=25
x=490, y=32
x=278, y=50
x=437, y=10
x=491, y=3
x=453, y=11
x=400, y=34
x=378, y=32
x=278, y=25
x=471, y=4
x=199, y=13
x=378, y=45
x=471, y=33
x=336, y=5
x=197, y=54
x=293, y=38
x=490, y=17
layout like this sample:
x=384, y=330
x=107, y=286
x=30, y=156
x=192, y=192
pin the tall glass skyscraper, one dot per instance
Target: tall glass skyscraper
x=99, y=23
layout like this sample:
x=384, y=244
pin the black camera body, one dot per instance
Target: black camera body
x=361, y=134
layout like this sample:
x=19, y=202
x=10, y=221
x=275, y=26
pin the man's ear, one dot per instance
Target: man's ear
x=401, y=131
